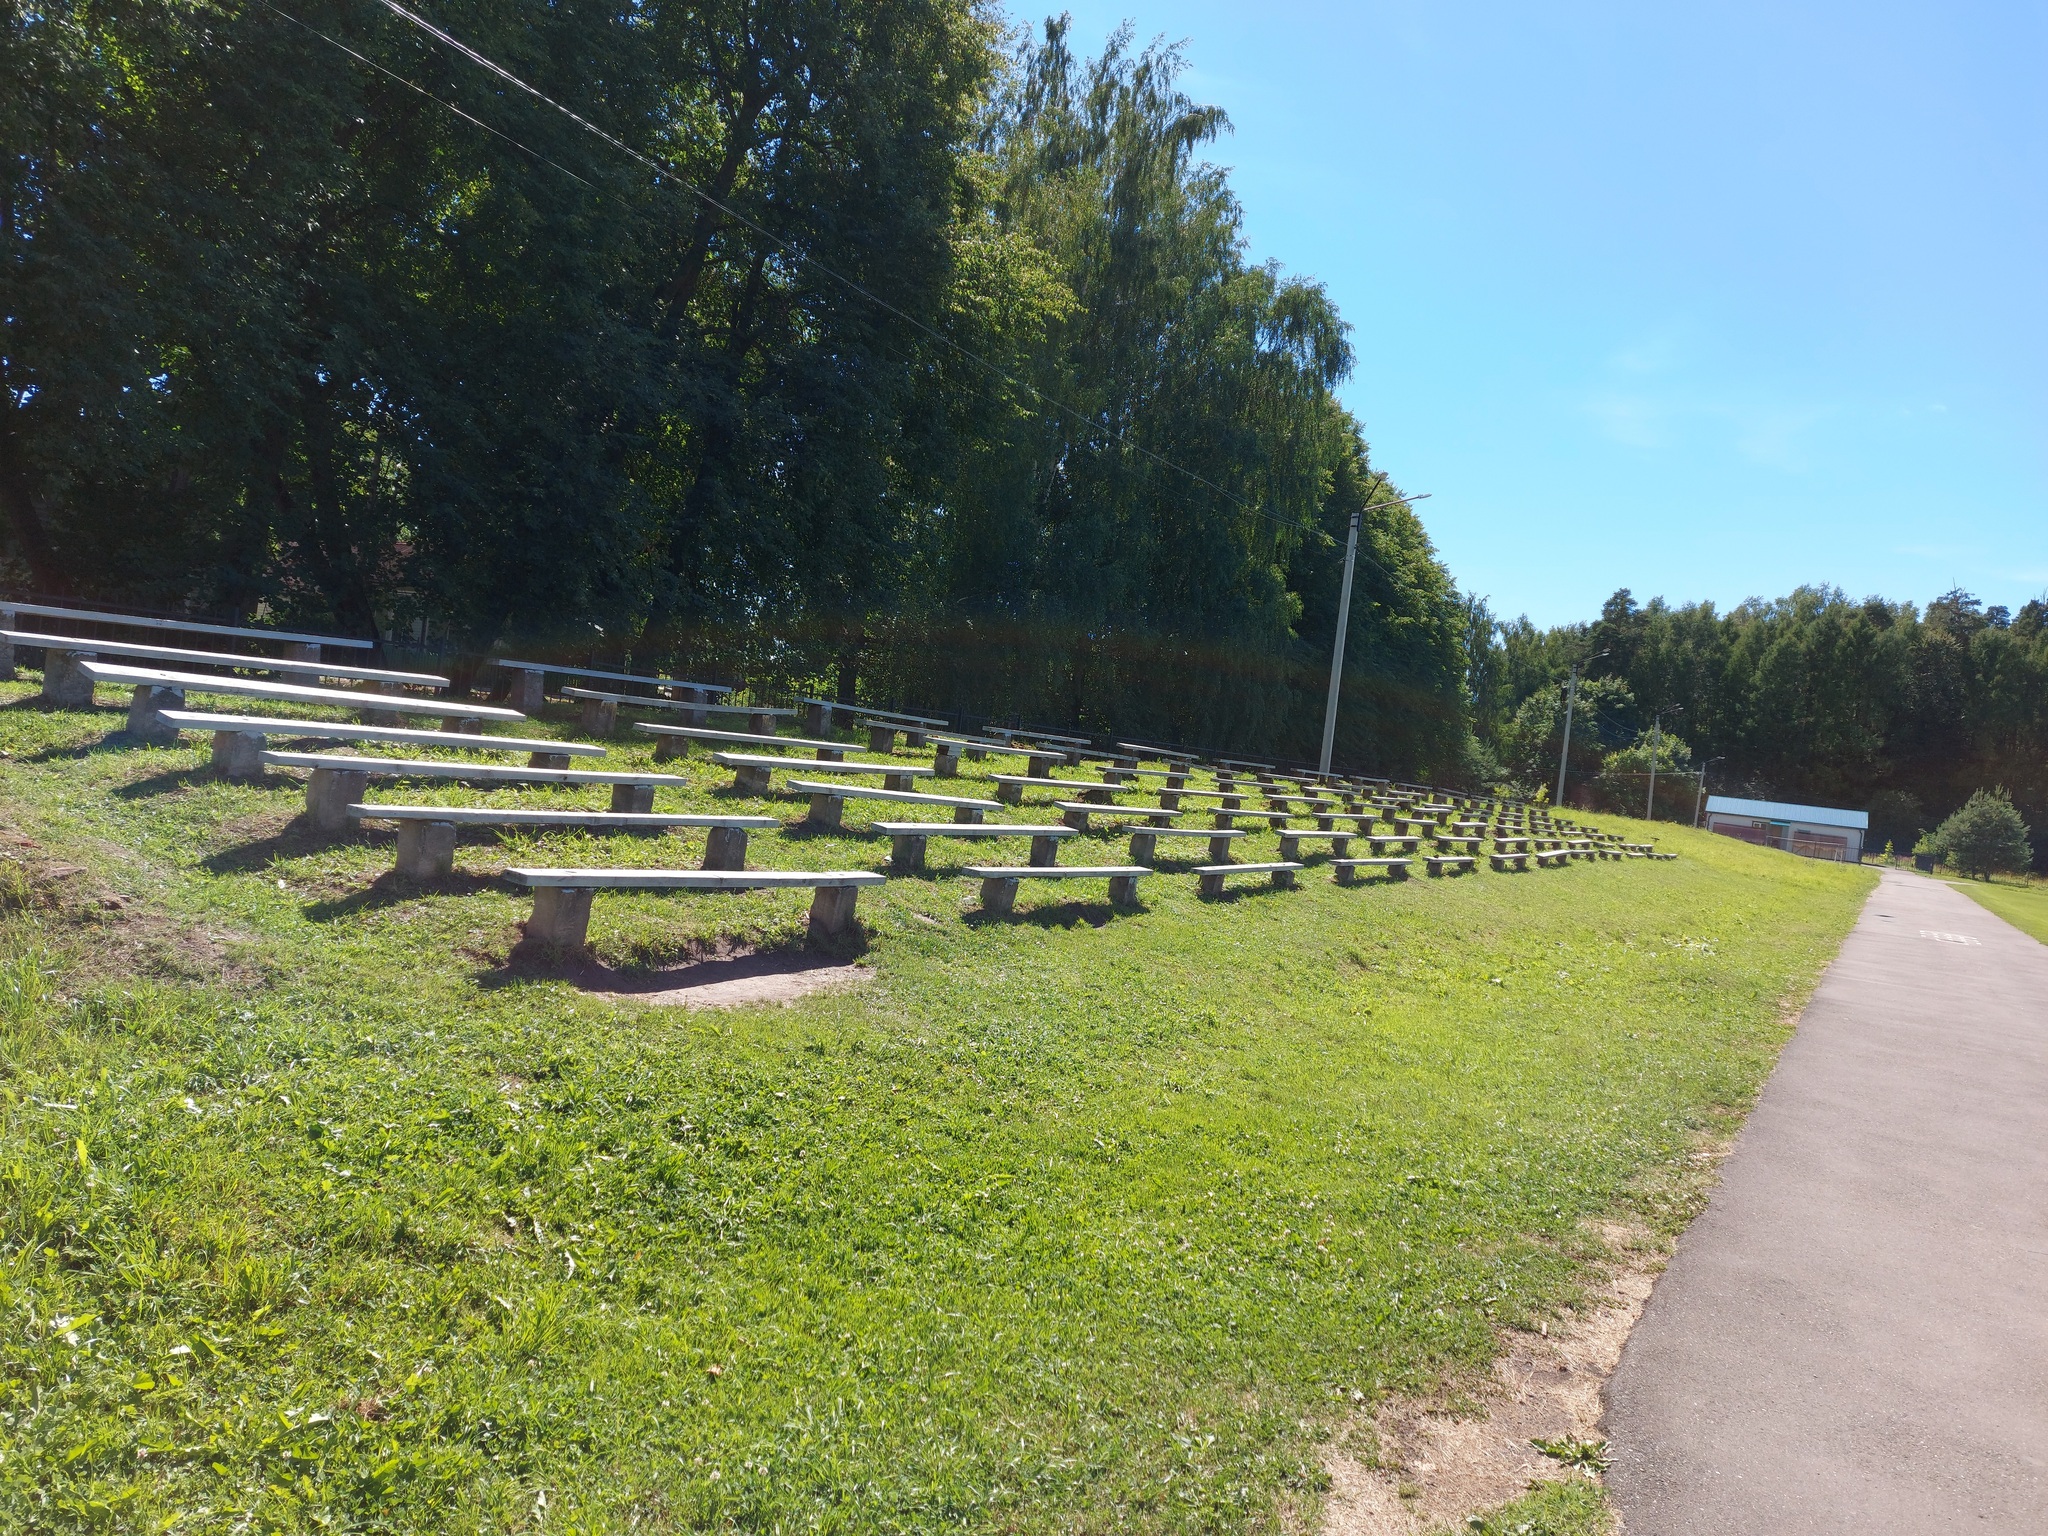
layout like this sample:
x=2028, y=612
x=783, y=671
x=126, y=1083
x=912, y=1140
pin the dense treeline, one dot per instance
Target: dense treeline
x=1815, y=697
x=285, y=335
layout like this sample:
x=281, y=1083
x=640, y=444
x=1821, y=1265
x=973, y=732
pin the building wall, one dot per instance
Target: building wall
x=1842, y=844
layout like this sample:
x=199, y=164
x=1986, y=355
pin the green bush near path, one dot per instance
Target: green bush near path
x=317, y=1214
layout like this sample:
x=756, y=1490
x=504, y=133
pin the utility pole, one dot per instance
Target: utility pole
x=1656, y=741
x=1337, y=655
x=1571, y=699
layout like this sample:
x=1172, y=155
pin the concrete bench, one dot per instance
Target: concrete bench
x=828, y=802
x=1510, y=843
x=751, y=771
x=882, y=734
x=1291, y=840
x=1384, y=845
x=297, y=646
x=1450, y=863
x=562, y=897
x=70, y=649
x=1507, y=861
x=426, y=833
x=1010, y=787
x=1176, y=777
x=1229, y=799
x=1076, y=813
x=907, y=838
x=672, y=741
x=1469, y=845
x=1009, y=733
x=157, y=690
x=1348, y=869
x=1142, y=753
x=528, y=678
x=1551, y=858
x=1145, y=841
x=999, y=881
x=1210, y=877
x=238, y=739
x=339, y=780
x=601, y=710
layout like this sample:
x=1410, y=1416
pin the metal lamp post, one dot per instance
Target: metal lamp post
x=1344, y=623
x=1571, y=699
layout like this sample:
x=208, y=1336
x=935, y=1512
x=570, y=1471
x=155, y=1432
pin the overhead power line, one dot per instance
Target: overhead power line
x=665, y=173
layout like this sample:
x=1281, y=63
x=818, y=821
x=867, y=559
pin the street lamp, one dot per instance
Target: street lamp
x=1344, y=621
x=1571, y=699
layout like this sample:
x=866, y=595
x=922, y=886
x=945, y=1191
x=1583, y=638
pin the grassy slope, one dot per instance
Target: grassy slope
x=1079, y=1221
x=2021, y=902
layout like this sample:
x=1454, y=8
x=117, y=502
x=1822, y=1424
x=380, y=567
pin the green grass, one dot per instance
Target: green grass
x=2020, y=900
x=318, y=1214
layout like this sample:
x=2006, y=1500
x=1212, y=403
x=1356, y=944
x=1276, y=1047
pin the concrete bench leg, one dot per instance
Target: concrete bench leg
x=329, y=794
x=831, y=755
x=1168, y=800
x=1078, y=820
x=7, y=652
x=381, y=717
x=527, y=693
x=814, y=720
x=725, y=848
x=1346, y=875
x=635, y=798
x=238, y=754
x=1397, y=872
x=1210, y=885
x=1045, y=852
x=1103, y=796
x=998, y=895
x=977, y=754
x=752, y=781
x=832, y=909
x=463, y=725
x=946, y=763
x=1144, y=846
x=1340, y=847
x=1123, y=890
x=556, y=759
x=1219, y=850
x=561, y=915
x=825, y=811
x=914, y=740
x=1176, y=781
x=302, y=650
x=1325, y=823
x=906, y=853
x=65, y=684
x=144, y=720
x=1225, y=821
x=1010, y=794
x=1290, y=847
x=1038, y=768
x=967, y=815
x=761, y=725
x=1283, y=879
x=880, y=740
x=426, y=849
x=896, y=781
x=600, y=716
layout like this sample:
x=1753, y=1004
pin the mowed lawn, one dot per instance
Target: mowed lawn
x=2021, y=901
x=318, y=1214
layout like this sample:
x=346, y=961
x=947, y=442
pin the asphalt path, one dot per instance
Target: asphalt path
x=1853, y=1337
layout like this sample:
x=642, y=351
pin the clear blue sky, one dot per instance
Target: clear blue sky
x=1707, y=302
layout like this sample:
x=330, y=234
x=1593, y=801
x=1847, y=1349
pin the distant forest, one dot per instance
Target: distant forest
x=934, y=372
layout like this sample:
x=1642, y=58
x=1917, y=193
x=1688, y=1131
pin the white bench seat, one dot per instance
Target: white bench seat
x=133, y=649
x=828, y=801
x=1010, y=787
x=1551, y=858
x=1076, y=813
x=426, y=833
x=601, y=709
x=1348, y=869
x=999, y=881
x=562, y=897
x=907, y=838
x=238, y=739
x=751, y=770
x=1145, y=840
x=1162, y=754
x=1449, y=863
x=674, y=741
x=529, y=679
x=157, y=689
x=339, y=779
x=1291, y=840
x=1210, y=877
x=1507, y=861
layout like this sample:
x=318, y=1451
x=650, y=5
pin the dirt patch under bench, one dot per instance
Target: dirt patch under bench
x=727, y=982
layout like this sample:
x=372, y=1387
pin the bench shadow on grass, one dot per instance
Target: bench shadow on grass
x=1065, y=914
x=391, y=889
x=295, y=839
x=775, y=972
x=1233, y=893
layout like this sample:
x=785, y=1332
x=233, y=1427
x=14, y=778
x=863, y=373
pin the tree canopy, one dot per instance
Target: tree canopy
x=900, y=353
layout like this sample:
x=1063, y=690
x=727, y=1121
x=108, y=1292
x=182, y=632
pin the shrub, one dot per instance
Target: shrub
x=1985, y=837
